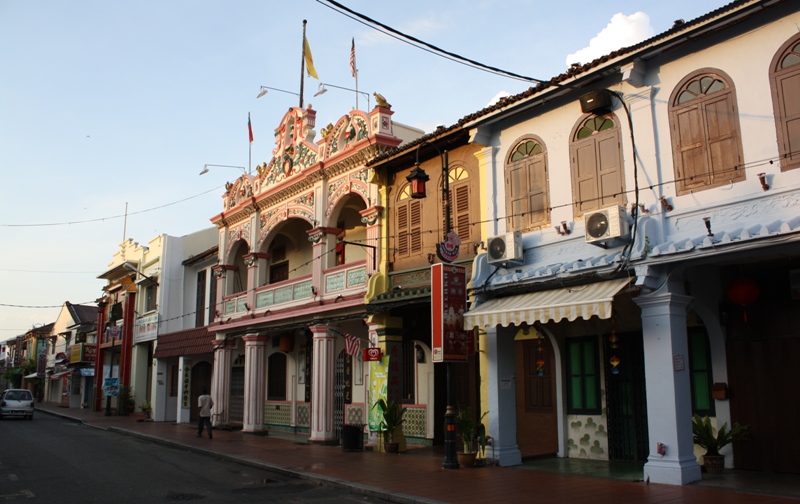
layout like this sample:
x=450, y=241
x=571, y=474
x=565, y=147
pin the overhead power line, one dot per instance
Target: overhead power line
x=420, y=44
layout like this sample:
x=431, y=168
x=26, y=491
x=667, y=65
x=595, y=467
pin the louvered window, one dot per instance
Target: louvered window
x=459, y=203
x=527, y=201
x=785, y=81
x=706, y=145
x=596, y=165
x=409, y=224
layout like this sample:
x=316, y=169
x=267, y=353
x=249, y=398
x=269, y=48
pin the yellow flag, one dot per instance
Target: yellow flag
x=309, y=60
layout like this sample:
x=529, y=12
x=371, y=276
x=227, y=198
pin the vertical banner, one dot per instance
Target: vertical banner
x=378, y=388
x=448, y=305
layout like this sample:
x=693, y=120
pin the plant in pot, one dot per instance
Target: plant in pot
x=392, y=420
x=469, y=431
x=126, y=402
x=706, y=438
x=146, y=408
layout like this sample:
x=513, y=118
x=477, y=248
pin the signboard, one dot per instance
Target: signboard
x=41, y=362
x=89, y=352
x=372, y=354
x=111, y=387
x=448, y=305
x=378, y=388
x=113, y=332
x=82, y=352
x=146, y=328
x=76, y=353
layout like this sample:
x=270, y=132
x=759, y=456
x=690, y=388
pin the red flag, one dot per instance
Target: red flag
x=353, y=70
x=352, y=345
x=249, y=127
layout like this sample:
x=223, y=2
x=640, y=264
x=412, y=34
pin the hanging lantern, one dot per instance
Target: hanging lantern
x=417, y=179
x=614, y=361
x=614, y=339
x=743, y=291
x=287, y=343
x=540, y=367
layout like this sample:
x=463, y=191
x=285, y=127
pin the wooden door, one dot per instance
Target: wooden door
x=537, y=427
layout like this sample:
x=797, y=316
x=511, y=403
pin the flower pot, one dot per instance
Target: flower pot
x=466, y=459
x=391, y=447
x=714, y=463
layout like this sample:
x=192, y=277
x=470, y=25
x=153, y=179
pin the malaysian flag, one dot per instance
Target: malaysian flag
x=249, y=127
x=353, y=70
x=352, y=345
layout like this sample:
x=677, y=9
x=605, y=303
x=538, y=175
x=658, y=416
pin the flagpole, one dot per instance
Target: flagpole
x=355, y=70
x=250, y=145
x=302, y=63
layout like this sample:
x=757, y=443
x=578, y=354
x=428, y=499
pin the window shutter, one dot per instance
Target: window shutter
x=691, y=150
x=200, y=304
x=461, y=210
x=723, y=154
x=518, y=207
x=415, y=226
x=402, y=229
x=537, y=187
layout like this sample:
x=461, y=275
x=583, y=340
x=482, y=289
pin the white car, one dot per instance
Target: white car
x=16, y=402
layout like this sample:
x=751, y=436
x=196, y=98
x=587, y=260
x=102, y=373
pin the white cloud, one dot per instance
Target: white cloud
x=621, y=31
x=501, y=94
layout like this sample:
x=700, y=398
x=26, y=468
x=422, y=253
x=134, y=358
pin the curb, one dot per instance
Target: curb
x=355, y=488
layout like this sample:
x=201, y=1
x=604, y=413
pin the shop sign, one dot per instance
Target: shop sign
x=371, y=354
x=448, y=305
x=146, y=328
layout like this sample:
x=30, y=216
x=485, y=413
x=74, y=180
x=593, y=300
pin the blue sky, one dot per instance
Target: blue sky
x=104, y=103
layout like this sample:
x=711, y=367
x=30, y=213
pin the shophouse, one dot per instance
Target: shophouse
x=298, y=244
x=643, y=240
x=417, y=230
x=71, y=356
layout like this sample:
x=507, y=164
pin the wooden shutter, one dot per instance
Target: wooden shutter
x=789, y=93
x=402, y=229
x=691, y=153
x=460, y=209
x=609, y=169
x=584, y=176
x=200, y=304
x=537, y=190
x=212, y=299
x=415, y=226
x=517, y=190
x=722, y=138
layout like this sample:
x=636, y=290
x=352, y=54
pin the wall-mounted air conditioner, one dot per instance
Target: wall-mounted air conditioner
x=505, y=249
x=607, y=226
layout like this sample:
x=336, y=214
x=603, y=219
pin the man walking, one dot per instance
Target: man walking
x=205, y=403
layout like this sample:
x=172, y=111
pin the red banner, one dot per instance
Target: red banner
x=448, y=304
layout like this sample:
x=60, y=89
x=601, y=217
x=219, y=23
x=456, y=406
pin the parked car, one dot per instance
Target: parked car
x=16, y=402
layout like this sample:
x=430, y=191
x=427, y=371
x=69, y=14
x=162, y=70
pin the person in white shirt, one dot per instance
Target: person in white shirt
x=205, y=403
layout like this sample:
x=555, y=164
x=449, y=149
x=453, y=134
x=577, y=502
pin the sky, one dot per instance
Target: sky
x=105, y=104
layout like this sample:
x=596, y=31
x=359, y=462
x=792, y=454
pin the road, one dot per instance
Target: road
x=54, y=460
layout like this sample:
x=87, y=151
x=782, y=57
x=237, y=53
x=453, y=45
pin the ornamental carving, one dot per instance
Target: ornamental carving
x=294, y=151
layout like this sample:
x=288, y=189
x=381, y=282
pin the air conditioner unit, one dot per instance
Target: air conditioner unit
x=607, y=226
x=505, y=249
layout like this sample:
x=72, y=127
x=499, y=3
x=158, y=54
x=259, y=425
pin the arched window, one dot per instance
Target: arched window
x=527, y=201
x=409, y=223
x=276, y=377
x=459, y=199
x=785, y=82
x=596, y=164
x=706, y=142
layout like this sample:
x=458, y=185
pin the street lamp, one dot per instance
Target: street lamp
x=130, y=267
x=323, y=89
x=264, y=89
x=205, y=168
x=417, y=179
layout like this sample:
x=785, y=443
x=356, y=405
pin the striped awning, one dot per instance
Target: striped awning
x=582, y=301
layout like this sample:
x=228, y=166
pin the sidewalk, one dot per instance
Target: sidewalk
x=415, y=476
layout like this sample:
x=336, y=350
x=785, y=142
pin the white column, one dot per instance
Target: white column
x=322, y=378
x=502, y=398
x=184, y=406
x=254, y=378
x=221, y=384
x=669, y=398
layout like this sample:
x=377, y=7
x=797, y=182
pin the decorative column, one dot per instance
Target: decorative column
x=255, y=348
x=502, y=397
x=320, y=245
x=322, y=382
x=372, y=218
x=669, y=397
x=251, y=261
x=221, y=274
x=221, y=382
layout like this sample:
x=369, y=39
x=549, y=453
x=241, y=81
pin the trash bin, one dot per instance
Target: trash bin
x=352, y=437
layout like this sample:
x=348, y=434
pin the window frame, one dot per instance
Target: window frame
x=776, y=75
x=596, y=139
x=524, y=164
x=150, y=297
x=582, y=375
x=684, y=185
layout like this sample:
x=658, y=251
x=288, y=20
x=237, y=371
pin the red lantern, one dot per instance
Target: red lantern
x=743, y=291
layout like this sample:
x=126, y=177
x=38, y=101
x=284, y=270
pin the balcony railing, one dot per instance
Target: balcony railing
x=340, y=279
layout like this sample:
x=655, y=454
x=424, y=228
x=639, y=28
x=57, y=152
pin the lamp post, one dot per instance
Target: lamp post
x=417, y=178
x=205, y=168
x=265, y=89
x=323, y=89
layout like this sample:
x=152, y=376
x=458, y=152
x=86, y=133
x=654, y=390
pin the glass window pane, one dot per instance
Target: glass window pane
x=576, y=399
x=574, y=359
x=791, y=59
x=685, y=97
x=702, y=396
x=591, y=392
x=588, y=358
x=694, y=87
x=716, y=86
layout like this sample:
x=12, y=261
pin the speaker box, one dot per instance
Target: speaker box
x=596, y=101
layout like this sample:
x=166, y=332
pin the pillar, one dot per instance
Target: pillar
x=502, y=397
x=221, y=383
x=669, y=397
x=371, y=217
x=254, y=378
x=322, y=382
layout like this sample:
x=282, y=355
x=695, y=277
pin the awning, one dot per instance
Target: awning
x=56, y=376
x=32, y=375
x=556, y=304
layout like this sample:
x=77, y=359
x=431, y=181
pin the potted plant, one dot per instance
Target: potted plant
x=469, y=430
x=126, y=402
x=146, y=409
x=392, y=420
x=705, y=437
